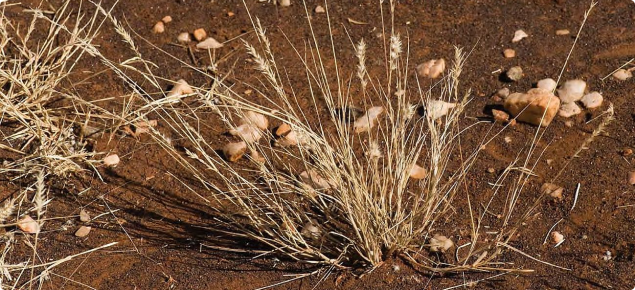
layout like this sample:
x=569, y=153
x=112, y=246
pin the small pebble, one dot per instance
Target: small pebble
x=491, y=170
x=230, y=14
x=631, y=177
x=592, y=100
x=503, y=93
x=159, y=27
x=432, y=68
x=519, y=35
x=569, y=110
x=509, y=53
x=184, y=37
x=82, y=231
x=562, y=32
x=283, y=129
x=28, y=225
x=319, y=9
x=568, y=123
x=557, y=237
x=84, y=216
x=200, y=34
x=440, y=243
x=508, y=139
x=548, y=84
x=111, y=160
x=553, y=190
x=166, y=19
x=514, y=73
x=284, y=3
x=234, y=151
x=622, y=74
x=627, y=152
x=572, y=91
x=418, y=172
x=209, y=43
x=500, y=116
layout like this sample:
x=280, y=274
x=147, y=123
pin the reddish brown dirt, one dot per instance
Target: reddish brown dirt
x=160, y=225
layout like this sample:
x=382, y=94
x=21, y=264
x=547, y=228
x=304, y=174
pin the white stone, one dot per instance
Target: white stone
x=437, y=109
x=284, y=3
x=519, y=35
x=548, y=84
x=569, y=110
x=440, y=243
x=572, y=91
x=592, y=100
x=432, y=68
x=319, y=9
x=622, y=74
x=184, y=37
x=209, y=43
x=367, y=121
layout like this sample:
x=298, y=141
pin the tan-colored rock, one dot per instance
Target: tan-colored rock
x=553, y=190
x=166, y=19
x=557, y=237
x=200, y=34
x=184, y=37
x=500, y=116
x=181, y=87
x=569, y=110
x=631, y=178
x=531, y=106
x=256, y=119
x=84, y=216
x=209, y=43
x=82, y=231
x=509, y=53
x=159, y=27
x=572, y=91
x=367, y=121
x=234, y=151
x=514, y=73
x=622, y=74
x=503, y=93
x=283, y=129
x=28, y=225
x=319, y=9
x=548, y=84
x=418, y=172
x=248, y=132
x=562, y=32
x=592, y=100
x=440, y=243
x=111, y=160
x=431, y=69
x=284, y=3
x=437, y=109
x=519, y=35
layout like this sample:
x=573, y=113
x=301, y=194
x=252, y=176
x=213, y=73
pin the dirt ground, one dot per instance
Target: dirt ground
x=161, y=228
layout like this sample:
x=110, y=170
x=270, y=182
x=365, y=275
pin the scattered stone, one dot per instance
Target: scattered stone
x=432, y=68
x=592, y=100
x=531, y=106
x=519, y=35
x=440, y=243
x=234, y=151
x=572, y=91
x=491, y=170
x=500, y=116
x=568, y=110
x=507, y=139
x=184, y=37
x=514, y=73
x=284, y=3
x=159, y=27
x=209, y=43
x=319, y=9
x=291, y=138
x=283, y=129
x=84, y=216
x=28, y=225
x=166, y=19
x=310, y=231
x=200, y=34
x=509, y=53
x=247, y=132
x=631, y=177
x=230, y=14
x=568, y=123
x=548, y=84
x=437, y=109
x=313, y=179
x=181, y=87
x=562, y=32
x=607, y=256
x=503, y=93
x=418, y=172
x=627, y=152
x=367, y=121
x=552, y=190
x=256, y=119
x=549, y=161
x=622, y=74
x=557, y=237
x=111, y=160
x=82, y=231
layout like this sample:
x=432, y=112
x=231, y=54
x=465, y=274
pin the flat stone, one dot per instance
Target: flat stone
x=572, y=91
x=531, y=106
x=592, y=100
x=569, y=110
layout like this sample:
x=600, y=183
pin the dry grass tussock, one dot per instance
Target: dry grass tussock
x=338, y=197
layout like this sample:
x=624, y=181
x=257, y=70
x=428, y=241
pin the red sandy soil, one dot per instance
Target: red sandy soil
x=160, y=225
